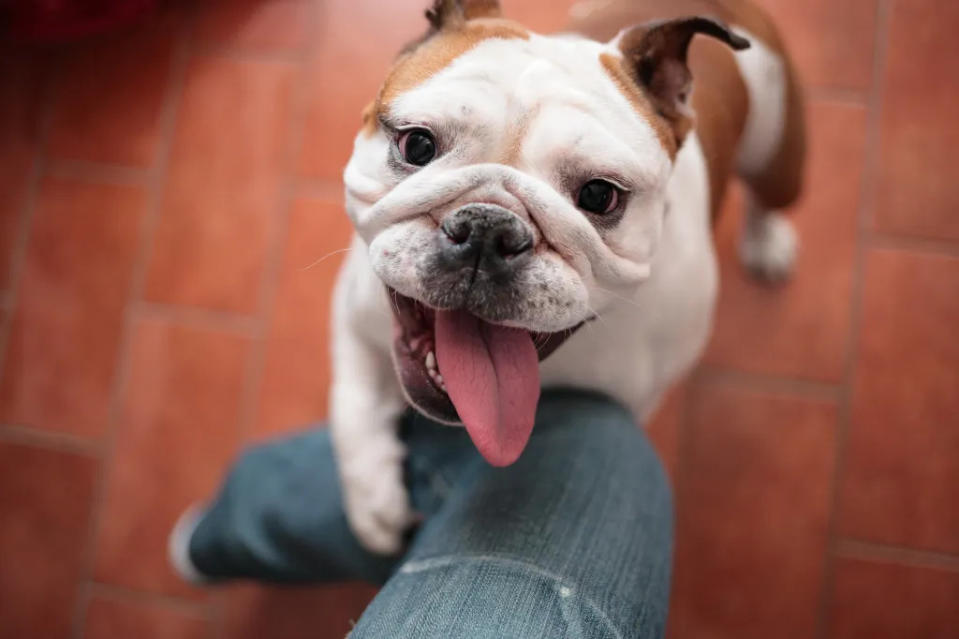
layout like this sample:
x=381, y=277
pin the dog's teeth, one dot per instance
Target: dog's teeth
x=431, y=361
x=436, y=377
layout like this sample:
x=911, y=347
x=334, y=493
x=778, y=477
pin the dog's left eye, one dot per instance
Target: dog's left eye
x=598, y=196
x=417, y=146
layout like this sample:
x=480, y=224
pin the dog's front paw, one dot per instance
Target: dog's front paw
x=377, y=503
x=769, y=246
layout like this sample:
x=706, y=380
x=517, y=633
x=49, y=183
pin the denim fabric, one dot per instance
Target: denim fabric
x=572, y=541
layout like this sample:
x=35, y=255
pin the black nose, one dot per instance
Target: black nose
x=485, y=237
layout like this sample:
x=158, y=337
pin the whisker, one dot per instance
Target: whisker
x=396, y=300
x=597, y=315
x=619, y=297
x=541, y=340
x=328, y=255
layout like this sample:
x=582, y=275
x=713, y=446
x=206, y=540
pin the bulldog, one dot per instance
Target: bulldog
x=535, y=210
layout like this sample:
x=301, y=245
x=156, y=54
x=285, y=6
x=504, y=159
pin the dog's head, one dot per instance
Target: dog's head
x=509, y=186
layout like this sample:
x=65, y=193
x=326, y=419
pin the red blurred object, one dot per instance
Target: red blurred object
x=61, y=20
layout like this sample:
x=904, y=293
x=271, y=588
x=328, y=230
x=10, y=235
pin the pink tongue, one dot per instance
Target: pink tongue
x=492, y=375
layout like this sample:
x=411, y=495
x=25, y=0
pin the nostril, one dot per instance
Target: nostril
x=485, y=238
x=458, y=230
x=513, y=243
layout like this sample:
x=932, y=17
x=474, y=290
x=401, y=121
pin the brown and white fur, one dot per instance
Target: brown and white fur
x=524, y=116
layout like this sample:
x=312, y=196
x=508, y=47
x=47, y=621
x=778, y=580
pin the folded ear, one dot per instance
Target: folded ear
x=446, y=13
x=654, y=54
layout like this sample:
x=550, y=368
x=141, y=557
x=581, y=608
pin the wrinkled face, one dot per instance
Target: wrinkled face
x=508, y=175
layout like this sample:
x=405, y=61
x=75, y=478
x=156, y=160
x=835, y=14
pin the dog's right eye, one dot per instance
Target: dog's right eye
x=598, y=196
x=417, y=147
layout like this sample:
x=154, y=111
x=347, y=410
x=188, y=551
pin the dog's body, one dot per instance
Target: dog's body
x=632, y=298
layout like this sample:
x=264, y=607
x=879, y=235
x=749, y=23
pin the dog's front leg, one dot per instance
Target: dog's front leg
x=365, y=405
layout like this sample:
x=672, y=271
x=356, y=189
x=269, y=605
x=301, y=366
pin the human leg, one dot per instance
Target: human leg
x=574, y=540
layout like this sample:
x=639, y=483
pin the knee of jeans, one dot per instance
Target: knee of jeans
x=474, y=597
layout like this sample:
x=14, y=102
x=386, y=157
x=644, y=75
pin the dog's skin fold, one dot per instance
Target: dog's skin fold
x=521, y=197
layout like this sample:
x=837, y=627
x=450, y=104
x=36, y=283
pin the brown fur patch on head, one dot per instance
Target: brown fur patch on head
x=624, y=81
x=422, y=60
x=444, y=13
x=516, y=134
x=655, y=58
x=369, y=119
x=473, y=9
x=720, y=100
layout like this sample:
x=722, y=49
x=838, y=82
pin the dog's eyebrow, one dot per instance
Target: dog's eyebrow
x=386, y=122
x=393, y=123
x=577, y=170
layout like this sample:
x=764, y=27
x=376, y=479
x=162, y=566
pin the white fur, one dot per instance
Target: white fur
x=651, y=280
x=764, y=74
x=768, y=245
x=643, y=342
x=365, y=403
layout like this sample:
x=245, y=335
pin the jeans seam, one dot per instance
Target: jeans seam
x=564, y=587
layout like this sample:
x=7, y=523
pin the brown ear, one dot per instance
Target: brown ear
x=655, y=55
x=447, y=13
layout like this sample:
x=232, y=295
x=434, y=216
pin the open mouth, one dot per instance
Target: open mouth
x=456, y=367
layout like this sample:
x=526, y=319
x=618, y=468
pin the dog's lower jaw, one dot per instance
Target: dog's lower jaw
x=415, y=356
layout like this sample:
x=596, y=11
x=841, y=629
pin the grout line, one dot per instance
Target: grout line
x=871, y=551
x=867, y=197
x=196, y=609
x=50, y=440
x=100, y=173
x=838, y=95
x=197, y=317
x=247, y=52
x=278, y=236
x=891, y=241
x=277, y=240
x=176, y=81
x=240, y=53
x=28, y=206
x=269, y=283
x=709, y=375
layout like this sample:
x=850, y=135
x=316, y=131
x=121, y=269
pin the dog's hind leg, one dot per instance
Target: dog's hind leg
x=771, y=157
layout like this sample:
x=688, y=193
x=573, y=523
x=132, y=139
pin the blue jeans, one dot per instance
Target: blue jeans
x=574, y=540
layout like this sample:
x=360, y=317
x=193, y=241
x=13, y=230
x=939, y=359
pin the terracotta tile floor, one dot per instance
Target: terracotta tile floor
x=165, y=193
